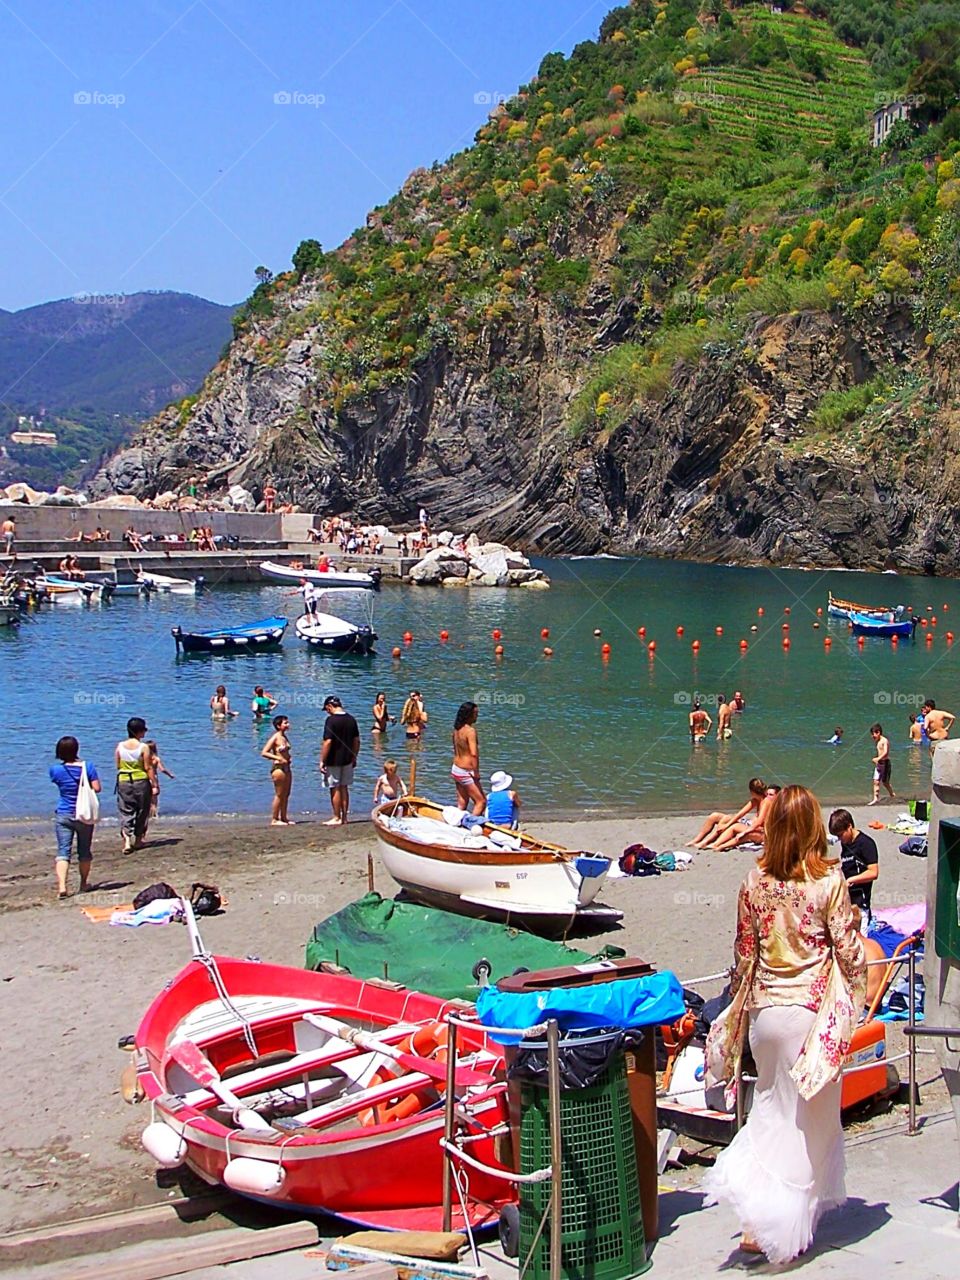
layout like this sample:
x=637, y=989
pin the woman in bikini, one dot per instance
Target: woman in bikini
x=220, y=704
x=717, y=824
x=382, y=719
x=465, y=769
x=748, y=832
x=278, y=751
x=413, y=717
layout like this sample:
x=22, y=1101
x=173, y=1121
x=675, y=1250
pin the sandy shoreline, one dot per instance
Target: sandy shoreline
x=72, y=988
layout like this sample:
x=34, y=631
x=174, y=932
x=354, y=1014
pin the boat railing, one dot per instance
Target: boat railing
x=454, y=1157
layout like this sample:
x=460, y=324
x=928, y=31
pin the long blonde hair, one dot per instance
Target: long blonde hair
x=795, y=839
x=411, y=712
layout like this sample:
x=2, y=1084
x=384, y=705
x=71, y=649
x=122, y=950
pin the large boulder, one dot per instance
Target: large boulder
x=24, y=493
x=438, y=564
x=241, y=499
x=427, y=573
x=118, y=502
x=518, y=576
x=492, y=564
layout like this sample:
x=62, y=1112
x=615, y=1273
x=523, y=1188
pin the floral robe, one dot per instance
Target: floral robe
x=796, y=944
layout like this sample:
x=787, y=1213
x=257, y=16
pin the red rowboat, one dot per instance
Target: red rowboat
x=317, y=1091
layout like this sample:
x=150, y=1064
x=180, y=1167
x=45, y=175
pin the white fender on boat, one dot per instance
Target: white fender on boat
x=164, y=1144
x=254, y=1177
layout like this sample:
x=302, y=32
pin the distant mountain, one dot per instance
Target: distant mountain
x=100, y=363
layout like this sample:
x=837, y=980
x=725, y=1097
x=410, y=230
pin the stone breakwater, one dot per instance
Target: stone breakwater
x=468, y=562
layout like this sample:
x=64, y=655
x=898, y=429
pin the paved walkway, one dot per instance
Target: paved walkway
x=901, y=1218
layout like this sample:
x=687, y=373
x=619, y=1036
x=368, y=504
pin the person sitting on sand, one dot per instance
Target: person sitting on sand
x=751, y=832
x=700, y=723
x=503, y=803
x=389, y=786
x=718, y=823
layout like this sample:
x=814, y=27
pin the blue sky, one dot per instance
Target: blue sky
x=149, y=143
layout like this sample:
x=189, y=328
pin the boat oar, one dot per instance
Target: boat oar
x=194, y=1061
x=413, y=1062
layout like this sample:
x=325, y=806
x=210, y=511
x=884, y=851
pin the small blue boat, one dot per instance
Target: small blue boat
x=251, y=637
x=867, y=626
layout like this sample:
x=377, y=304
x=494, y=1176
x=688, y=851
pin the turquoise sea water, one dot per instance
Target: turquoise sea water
x=579, y=733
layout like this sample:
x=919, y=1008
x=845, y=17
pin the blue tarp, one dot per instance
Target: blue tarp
x=634, y=1002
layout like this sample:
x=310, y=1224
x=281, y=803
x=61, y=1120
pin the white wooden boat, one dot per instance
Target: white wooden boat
x=488, y=871
x=163, y=582
x=326, y=578
x=332, y=634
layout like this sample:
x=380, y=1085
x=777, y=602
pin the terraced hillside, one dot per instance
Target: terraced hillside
x=807, y=105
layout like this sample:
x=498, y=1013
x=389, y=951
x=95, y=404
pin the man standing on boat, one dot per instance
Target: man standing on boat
x=338, y=757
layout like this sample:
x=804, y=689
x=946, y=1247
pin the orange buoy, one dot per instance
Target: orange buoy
x=444, y=635
x=679, y=631
x=719, y=631
x=923, y=622
x=496, y=634
x=786, y=608
x=819, y=612
x=933, y=620
x=786, y=642
x=827, y=642
x=949, y=637
x=544, y=633
x=945, y=608
x=605, y=648
x=860, y=642
x=743, y=644
x=784, y=626
x=652, y=647
x=929, y=637
x=760, y=612
x=894, y=640
x=499, y=651
x=547, y=651
x=397, y=651
x=407, y=637
x=695, y=646
x=641, y=632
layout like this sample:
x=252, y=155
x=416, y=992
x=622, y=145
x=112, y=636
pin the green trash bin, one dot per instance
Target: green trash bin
x=601, y=1223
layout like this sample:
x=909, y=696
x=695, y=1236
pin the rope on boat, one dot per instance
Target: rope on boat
x=538, y=1175
x=208, y=962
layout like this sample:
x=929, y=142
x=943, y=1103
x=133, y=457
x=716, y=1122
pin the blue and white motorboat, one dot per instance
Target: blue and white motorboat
x=863, y=625
x=251, y=637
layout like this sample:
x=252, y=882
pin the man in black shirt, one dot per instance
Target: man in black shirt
x=338, y=757
x=858, y=853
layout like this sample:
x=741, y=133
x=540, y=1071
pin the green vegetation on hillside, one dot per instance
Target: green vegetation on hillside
x=725, y=155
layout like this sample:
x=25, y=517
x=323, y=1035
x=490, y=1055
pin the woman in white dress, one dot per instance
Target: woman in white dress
x=799, y=984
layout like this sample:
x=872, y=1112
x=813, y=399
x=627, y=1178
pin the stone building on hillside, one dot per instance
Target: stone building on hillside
x=885, y=117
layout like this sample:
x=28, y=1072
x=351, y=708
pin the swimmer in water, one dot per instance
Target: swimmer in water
x=837, y=737
x=263, y=703
x=915, y=733
x=220, y=704
x=724, y=718
x=382, y=719
x=700, y=723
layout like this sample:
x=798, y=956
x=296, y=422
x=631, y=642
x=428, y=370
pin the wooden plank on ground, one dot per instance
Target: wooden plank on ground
x=157, y=1259
x=185, y=1208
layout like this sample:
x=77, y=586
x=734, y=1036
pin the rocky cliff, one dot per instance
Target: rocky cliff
x=562, y=342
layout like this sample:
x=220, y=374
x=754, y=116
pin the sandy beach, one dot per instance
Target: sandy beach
x=73, y=988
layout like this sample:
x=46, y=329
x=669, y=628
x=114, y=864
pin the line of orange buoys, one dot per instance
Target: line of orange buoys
x=606, y=649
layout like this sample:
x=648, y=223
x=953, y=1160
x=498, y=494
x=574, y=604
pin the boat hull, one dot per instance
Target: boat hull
x=385, y=1174
x=869, y=627
x=541, y=885
x=329, y=634
x=331, y=578
x=267, y=634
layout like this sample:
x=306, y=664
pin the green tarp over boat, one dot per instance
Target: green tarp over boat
x=430, y=950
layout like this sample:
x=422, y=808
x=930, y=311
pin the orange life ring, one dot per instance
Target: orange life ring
x=426, y=1042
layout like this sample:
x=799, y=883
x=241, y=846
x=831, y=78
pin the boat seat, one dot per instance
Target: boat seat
x=289, y=1067
x=213, y=1018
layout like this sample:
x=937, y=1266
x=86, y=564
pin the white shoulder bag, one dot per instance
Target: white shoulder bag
x=88, y=802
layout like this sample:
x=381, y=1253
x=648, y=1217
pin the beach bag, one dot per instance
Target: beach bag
x=88, y=802
x=205, y=899
x=152, y=892
x=638, y=860
x=915, y=846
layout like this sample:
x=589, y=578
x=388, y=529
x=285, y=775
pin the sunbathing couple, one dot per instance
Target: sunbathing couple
x=727, y=830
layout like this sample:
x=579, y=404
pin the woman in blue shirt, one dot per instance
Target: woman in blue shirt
x=66, y=775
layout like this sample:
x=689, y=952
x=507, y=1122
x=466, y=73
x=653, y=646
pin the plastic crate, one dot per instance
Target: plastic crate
x=601, y=1221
